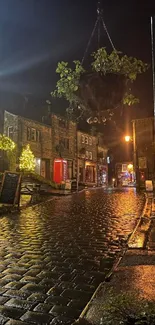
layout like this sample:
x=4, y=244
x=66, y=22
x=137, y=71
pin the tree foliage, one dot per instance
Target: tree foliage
x=27, y=160
x=104, y=87
x=6, y=143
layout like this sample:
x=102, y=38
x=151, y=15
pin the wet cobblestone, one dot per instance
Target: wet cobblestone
x=53, y=256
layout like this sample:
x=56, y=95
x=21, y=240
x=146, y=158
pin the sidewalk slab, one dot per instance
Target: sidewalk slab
x=135, y=274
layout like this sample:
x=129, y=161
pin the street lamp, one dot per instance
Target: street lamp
x=135, y=165
x=127, y=138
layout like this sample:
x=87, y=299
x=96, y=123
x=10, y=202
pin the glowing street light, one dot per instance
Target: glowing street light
x=127, y=138
x=130, y=167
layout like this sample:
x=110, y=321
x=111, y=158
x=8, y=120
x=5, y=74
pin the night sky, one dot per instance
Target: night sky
x=36, y=34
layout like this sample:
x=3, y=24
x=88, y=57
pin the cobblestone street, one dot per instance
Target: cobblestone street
x=53, y=256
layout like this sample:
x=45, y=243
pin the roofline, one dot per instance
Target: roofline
x=28, y=119
x=62, y=117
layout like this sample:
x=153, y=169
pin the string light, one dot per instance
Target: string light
x=6, y=143
x=27, y=160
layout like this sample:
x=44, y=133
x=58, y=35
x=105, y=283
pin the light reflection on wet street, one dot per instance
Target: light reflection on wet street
x=53, y=256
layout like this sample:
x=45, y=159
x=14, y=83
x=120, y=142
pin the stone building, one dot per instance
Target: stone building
x=61, y=152
x=92, y=159
x=23, y=131
x=87, y=158
x=143, y=150
x=102, y=166
x=64, y=143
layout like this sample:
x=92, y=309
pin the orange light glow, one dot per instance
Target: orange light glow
x=127, y=138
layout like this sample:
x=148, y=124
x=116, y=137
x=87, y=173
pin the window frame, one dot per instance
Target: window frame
x=82, y=138
x=9, y=128
x=90, y=141
x=38, y=134
x=90, y=155
x=86, y=140
x=35, y=134
x=87, y=154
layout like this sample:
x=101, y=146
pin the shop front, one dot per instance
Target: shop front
x=102, y=175
x=125, y=175
x=90, y=173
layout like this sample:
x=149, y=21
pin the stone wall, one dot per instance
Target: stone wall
x=143, y=140
x=84, y=145
x=41, y=147
x=64, y=139
x=40, y=143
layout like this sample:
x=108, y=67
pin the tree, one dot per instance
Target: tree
x=103, y=88
x=27, y=162
x=6, y=143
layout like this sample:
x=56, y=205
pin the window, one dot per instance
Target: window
x=10, y=132
x=28, y=134
x=33, y=134
x=87, y=154
x=64, y=142
x=90, y=155
x=86, y=140
x=90, y=141
x=38, y=136
x=67, y=144
x=82, y=138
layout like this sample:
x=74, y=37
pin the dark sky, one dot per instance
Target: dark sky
x=36, y=34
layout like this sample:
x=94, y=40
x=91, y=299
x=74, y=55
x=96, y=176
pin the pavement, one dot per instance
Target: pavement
x=133, y=275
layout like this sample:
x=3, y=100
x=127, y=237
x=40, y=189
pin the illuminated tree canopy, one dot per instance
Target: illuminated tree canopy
x=27, y=160
x=6, y=143
x=104, y=87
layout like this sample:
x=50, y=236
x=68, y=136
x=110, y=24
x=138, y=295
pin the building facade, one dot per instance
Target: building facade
x=24, y=131
x=143, y=150
x=102, y=165
x=64, y=145
x=86, y=158
x=124, y=173
x=91, y=160
x=61, y=152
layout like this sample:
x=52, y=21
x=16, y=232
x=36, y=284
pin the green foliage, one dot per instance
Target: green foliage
x=12, y=156
x=68, y=85
x=116, y=63
x=6, y=143
x=39, y=178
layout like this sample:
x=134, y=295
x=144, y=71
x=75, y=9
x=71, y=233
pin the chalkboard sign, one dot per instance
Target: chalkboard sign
x=10, y=188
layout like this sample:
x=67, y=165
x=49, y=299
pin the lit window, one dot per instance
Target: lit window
x=10, y=132
x=90, y=141
x=82, y=138
x=90, y=155
x=87, y=154
x=86, y=140
x=33, y=134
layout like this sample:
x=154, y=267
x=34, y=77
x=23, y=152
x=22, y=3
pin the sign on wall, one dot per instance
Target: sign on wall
x=10, y=188
x=142, y=162
x=124, y=168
